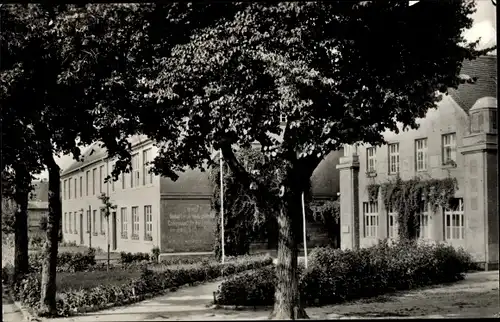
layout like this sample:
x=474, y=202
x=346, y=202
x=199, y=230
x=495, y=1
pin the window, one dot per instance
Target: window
x=74, y=222
x=393, y=158
x=65, y=222
x=283, y=118
x=75, y=186
x=455, y=224
x=134, y=174
x=124, y=223
x=148, y=223
x=69, y=222
x=147, y=177
x=370, y=213
x=81, y=186
x=449, y=148
x=101, y=178
x=421, y=154
x=88, y=221
x=123, y=180
x=64, y=194
x=493, y=119
x=94, y=171
x=113, y=181
x=371, y=161
x=87, y=178
x=423, y=222
x=135, y=222
x=101, y=222
x=392, y=220
x=69, y=188
x=94, y=221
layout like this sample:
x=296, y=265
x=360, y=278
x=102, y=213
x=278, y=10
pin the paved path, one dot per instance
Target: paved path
x=10, y=312
x=477, y=296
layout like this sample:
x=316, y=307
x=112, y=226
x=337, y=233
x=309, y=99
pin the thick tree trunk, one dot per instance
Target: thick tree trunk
x=21, y=265
x=287, y=304
x=48, y=291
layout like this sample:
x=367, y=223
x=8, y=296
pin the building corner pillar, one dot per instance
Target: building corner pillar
x=349, y=202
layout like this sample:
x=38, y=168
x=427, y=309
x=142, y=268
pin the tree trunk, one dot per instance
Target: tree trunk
x=21, y=265
x=287, y=304
x=48, y=288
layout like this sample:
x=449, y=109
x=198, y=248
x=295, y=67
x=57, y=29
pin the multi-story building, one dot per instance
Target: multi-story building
x=150, y=210
x=458, y=140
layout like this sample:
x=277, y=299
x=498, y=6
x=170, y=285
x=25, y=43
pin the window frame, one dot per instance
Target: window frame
x=371, y=220
x=394, y=154
x=135, y=171
x=101, y=222
x=392, y=230
x=148, y=223
x=135, y=221
x=423, y=151
x=449, y=227
x=424, y=217
x=87, y=177
x=124, y=223
x=371, y=157
x=101, y=178
x=94, y=175
x=94, y=222
x=452, y=145
x=146, y=166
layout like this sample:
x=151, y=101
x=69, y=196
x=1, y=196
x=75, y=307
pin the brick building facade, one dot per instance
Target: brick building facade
x=462, y=129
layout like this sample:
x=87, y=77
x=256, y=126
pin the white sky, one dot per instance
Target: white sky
x=484, y=27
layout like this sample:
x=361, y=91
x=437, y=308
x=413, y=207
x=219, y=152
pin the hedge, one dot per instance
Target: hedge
x=337, y=275
x=66, y=261
x=151, y=282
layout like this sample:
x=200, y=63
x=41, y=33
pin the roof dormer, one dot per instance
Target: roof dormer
x=483, y=116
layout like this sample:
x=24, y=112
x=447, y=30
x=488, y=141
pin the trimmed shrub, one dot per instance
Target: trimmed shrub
x=152, y=281
x=66, y=261
x=337, y=275
x=127, y=258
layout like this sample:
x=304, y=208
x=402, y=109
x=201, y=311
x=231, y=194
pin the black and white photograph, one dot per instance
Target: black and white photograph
x=223, y=160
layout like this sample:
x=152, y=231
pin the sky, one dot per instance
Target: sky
x=484, y=27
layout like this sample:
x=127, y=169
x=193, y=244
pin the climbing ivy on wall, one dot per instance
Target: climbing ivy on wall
x=407, y=197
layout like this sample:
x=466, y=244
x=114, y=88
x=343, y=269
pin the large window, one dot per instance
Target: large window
x=421, y=154
x=64, y=193
x=81, y=186
x=393, y=158
x=449, y=148
x=135, y=222
x=94, y=222
x=113, y=181
x=134, y=174
x=371, y=160
x=94, y=173
x=101, y=222
x=423, y=231
x=75, y=181
x=148, y=223
x=455, y=221
x=101, y=178
x=69, y=188
x=392, y=221
x=87, y=179
x=370, y=214
x=69, y=222
x=147, y=177
x=88, y=221
x=124, y=223
x=74, y=222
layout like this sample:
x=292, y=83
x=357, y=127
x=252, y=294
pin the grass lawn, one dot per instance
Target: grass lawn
x=87, y=280
x=99, y=255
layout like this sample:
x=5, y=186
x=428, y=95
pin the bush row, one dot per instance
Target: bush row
x=150, y=282
x=66, y=261
x=335, y=275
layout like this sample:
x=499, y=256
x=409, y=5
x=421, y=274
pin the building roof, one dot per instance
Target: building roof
x=95, y=152
x=485, y=102
x=484, y=69
x=41, y=205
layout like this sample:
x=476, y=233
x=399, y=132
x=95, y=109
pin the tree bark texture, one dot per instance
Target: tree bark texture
x=287, y=303
x=48, y=288
x=21, y=265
